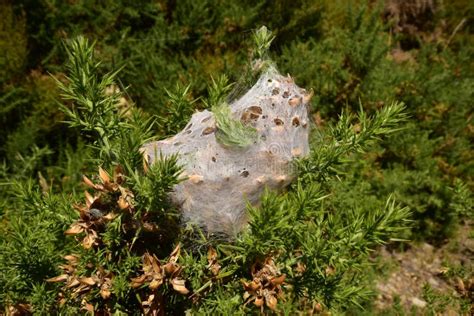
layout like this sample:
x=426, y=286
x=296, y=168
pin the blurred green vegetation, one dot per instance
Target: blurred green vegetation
x=351, y=53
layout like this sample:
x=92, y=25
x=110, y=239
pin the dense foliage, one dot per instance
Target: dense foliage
x=84, y=84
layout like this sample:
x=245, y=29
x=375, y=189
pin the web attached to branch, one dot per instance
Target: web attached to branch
x=222, y=179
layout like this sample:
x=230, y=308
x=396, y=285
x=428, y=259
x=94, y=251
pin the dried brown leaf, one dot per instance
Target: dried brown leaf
x=111, y=187
x=88, y=307
x=278, y=280
x=246, y=295
x=118, y=175
x=89, y=241
x=155, y=264
x=87, y=280
x=89, y=199
x=179, y=286
x=122, y=203
x=138, y=281
x=270, y=267
x=212, y=260
x=75, y=229
x=155, y=283
x=68, y=268
x=251, y=286
x=104, y=176
x=215, y=268
x=81, y=289
x=72, y=259
x=73, y=283
x=211, y=255
x=110, y=216
x=148, y=301
x=80, y=208
x=88, y=182
x=59, y=278
x=171, y=268
x=271, y=301
x=105, y=293
x=175, y=254
x=19, y=310
x=330, y=270
x=300, y=267
x=259, y=301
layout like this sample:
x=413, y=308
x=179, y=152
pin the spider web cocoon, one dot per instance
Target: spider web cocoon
x=221, y=180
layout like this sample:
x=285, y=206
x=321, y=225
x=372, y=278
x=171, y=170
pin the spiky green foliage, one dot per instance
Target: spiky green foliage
x=263, y=38
x=167, y=51
x=433, y=149
x=179, y=112
x=232, y=132
x=31, y=245
x=292, y=229
x=93, y=109
x=348, y=136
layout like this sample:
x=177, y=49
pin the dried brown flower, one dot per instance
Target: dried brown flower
x=155, y=274
x=265, y=288
x=83, y=285
x=214, y=266
x=19, y=310
x=98, y=209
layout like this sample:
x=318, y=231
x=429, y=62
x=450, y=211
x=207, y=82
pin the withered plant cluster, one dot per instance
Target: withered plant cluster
x=110, y=201
x=375, y=167
x=265, y=287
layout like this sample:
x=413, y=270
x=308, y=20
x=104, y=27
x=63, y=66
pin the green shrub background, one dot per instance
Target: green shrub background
x=348, y=52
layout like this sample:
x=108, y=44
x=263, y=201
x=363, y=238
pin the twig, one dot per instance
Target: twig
x=456, y=29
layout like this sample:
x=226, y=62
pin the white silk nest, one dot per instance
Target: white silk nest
x=221, y=180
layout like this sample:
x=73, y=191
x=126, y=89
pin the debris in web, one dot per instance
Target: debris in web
x=225, y=170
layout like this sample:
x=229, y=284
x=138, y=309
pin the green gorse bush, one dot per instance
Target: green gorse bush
x=391, y=153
